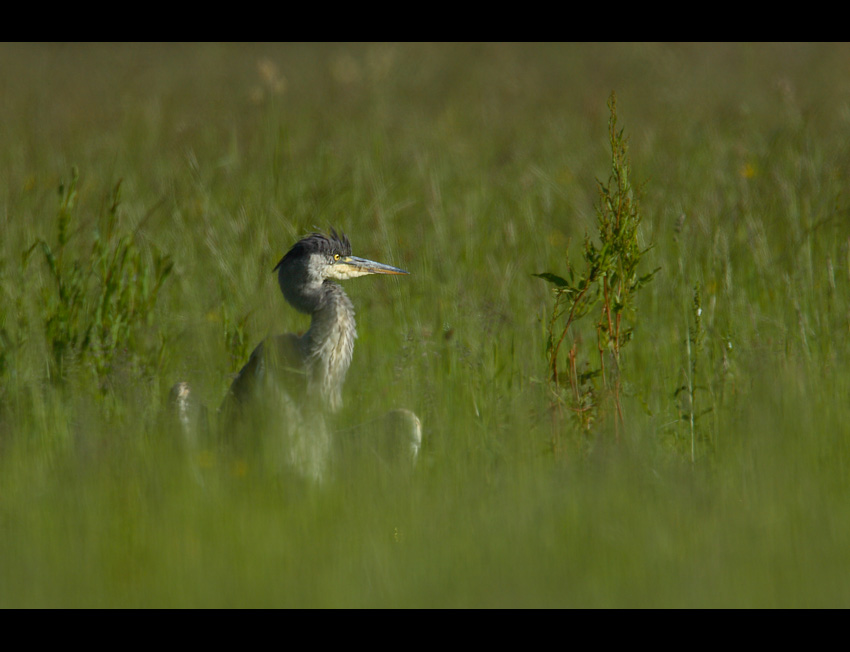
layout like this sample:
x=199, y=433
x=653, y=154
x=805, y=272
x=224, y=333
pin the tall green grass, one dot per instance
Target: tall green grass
x=473, y=167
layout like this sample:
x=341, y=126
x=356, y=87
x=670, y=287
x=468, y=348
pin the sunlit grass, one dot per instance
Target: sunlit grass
x=473, y=167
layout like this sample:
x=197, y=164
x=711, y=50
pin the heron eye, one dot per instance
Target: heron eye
x=336, y=256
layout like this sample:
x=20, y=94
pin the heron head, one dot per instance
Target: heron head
x=317, y=258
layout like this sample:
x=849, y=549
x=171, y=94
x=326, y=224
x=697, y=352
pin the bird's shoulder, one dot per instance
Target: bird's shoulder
x=282, y=353
x=280, y=357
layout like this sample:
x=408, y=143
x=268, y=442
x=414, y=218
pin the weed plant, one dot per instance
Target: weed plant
x=609, y=278
x=97, y=303
x=724, y=482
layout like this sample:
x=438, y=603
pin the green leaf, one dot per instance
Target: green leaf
x=554, y=279
x=646, y=278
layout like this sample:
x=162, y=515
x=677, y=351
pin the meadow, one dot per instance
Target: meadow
x=148, y=191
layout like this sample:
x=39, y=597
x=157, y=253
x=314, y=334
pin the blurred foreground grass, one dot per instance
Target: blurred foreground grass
x=472, y=166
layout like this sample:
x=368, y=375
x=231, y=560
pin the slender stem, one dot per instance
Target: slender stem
x=691, y=397
x=553, y=354
x=554, y=358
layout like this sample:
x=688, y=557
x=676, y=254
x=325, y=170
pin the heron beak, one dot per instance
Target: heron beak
x=352, y=267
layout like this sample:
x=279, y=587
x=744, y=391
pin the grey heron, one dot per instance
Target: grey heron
x=299, y=379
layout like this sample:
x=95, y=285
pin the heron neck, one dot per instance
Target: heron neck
x=330, y=344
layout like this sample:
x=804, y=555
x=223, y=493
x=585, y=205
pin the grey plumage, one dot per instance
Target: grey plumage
x=315, y=364
x=300, y=378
